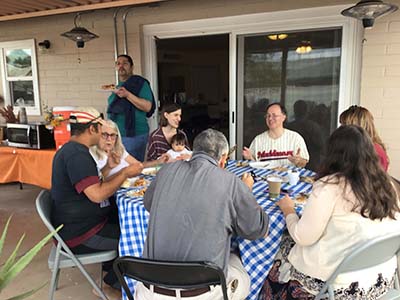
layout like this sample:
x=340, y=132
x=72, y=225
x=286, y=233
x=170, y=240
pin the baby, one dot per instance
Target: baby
x=179, y=150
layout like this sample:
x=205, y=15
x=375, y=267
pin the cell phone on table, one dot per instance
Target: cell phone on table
x=286, y=191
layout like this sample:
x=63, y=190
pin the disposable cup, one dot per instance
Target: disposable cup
x=274, y=185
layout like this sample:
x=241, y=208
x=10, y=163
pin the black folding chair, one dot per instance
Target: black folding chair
x=169, y=274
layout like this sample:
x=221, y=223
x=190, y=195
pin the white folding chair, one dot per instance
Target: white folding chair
x=369, y=254
x=62, y=257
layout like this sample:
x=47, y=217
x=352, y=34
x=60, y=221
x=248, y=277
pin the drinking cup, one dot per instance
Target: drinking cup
x=274, y=185
x=293, y=177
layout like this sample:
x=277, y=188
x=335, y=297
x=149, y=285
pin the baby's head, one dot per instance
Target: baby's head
x=178, y=142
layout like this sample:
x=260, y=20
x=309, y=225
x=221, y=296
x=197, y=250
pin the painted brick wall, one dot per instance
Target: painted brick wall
x=380, y=83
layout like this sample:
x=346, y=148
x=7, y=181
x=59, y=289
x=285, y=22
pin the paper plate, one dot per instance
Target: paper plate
x=259, y=164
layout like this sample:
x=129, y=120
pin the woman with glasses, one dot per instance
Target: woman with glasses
x=283, y=146
x=110, y=154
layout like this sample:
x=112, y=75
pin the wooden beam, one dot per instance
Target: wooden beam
x=77, y=9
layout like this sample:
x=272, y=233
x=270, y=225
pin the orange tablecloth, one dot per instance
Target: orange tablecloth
x=26, y=166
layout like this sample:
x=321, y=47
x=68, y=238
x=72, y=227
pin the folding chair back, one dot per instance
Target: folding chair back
x=369, y=254
x=168, y=274
x=61, y=256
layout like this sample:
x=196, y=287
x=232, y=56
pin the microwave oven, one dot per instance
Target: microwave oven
x=34, y=136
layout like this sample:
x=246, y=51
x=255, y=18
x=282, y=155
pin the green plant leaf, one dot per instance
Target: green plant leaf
x=24, y=261
x=10, y=261
x=3, y=236
x=26, y=294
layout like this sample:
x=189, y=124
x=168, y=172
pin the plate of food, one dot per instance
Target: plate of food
x=307, y=179
x=242, y=164
x=138, y=192
x=129, y=182
x=140, y=182
x=152, y=171
x=301, y=198
x=280, y=169
x=258, y=164
x=108, y=88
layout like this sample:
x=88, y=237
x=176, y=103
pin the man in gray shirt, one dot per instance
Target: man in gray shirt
x=195, y=208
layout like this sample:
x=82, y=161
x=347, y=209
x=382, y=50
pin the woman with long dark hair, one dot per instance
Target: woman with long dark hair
x=353, y=200
x=160, y=139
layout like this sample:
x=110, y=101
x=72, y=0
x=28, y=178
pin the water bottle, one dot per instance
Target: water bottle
x=23, y=119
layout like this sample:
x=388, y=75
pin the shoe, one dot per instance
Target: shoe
x=110, y=292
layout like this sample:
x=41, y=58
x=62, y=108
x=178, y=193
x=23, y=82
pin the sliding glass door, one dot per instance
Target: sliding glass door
x=301, y=70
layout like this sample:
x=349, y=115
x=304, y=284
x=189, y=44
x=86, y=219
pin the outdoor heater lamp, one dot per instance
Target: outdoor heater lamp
x=368, y=10
x=78, y=34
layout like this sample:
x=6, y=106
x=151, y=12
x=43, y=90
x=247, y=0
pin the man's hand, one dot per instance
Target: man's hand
x=248, y=180
x=8, y=114
x=286, y=204
x=133, y=169
x=123, y=92
x=247, y=154
x=297, y=160
x=164, y=158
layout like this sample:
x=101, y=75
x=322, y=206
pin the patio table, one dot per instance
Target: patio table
x=257, y=256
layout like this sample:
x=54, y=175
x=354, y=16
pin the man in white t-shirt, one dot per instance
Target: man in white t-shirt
x=283, y=146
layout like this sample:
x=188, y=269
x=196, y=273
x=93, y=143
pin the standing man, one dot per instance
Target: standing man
x=130, y=106
x=277, y=143
x=195, y=208
x=80, y=197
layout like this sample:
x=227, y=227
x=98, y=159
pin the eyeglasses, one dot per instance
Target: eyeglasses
x=106, y=135
x=272, y=116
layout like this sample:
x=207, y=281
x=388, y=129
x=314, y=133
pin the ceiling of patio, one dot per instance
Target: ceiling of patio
x=21, y=9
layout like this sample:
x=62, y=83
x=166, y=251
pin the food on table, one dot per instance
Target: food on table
x=108, y=87
x=137, y=193
x=152, y=171
x=140, y=182
x=242, y=164
x=126, y=184
x=301, y=198
x=280, y=169
x=307, y=179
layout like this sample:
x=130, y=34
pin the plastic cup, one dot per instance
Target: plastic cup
x=293, y=177
x=274, y=185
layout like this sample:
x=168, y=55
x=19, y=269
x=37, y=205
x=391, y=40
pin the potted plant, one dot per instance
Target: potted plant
x=13, y=266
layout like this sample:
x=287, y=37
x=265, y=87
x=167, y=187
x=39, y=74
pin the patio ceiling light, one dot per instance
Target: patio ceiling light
x=280, y=36
x=304, y=47
x=79, y=34
x=368, y=11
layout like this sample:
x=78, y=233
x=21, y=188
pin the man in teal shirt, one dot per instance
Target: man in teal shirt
x=130, y=106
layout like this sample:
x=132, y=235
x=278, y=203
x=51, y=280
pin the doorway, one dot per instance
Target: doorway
x=194, y=73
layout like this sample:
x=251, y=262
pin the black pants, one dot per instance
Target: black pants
x=106, y=239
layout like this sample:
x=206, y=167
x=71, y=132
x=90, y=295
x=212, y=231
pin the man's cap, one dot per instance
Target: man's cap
x=84, y=115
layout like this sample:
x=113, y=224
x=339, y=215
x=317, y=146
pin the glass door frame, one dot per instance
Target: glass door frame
x=290, y=20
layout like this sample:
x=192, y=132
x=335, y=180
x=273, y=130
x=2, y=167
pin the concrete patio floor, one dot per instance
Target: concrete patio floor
x=21, y=205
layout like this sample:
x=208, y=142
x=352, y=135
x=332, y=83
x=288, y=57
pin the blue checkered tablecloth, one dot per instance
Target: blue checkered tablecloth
x=257, y=256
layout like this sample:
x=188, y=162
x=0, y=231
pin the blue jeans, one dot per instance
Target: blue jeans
x=136, y=146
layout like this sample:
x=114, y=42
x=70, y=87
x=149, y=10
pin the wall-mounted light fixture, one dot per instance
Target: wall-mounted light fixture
x=279, y=36
x=304, y=47
x=79, y=34
x=368, y=10
x=44, y=45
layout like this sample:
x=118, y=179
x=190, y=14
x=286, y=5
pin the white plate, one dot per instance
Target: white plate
x=107, y=91
x=129, y=182
x=259, y=164
x=150, y=171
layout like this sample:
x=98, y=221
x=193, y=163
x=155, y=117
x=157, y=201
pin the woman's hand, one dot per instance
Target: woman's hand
x=113, y=160
x=247, y=154
x=286, y=204
x=248, y=180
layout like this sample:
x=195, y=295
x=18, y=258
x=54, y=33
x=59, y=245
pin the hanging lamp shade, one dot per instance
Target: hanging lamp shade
x=80, y=35
x=304, y=47
x=368, y=10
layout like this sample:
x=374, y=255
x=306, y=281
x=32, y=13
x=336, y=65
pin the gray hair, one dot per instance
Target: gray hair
x=212, y=142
